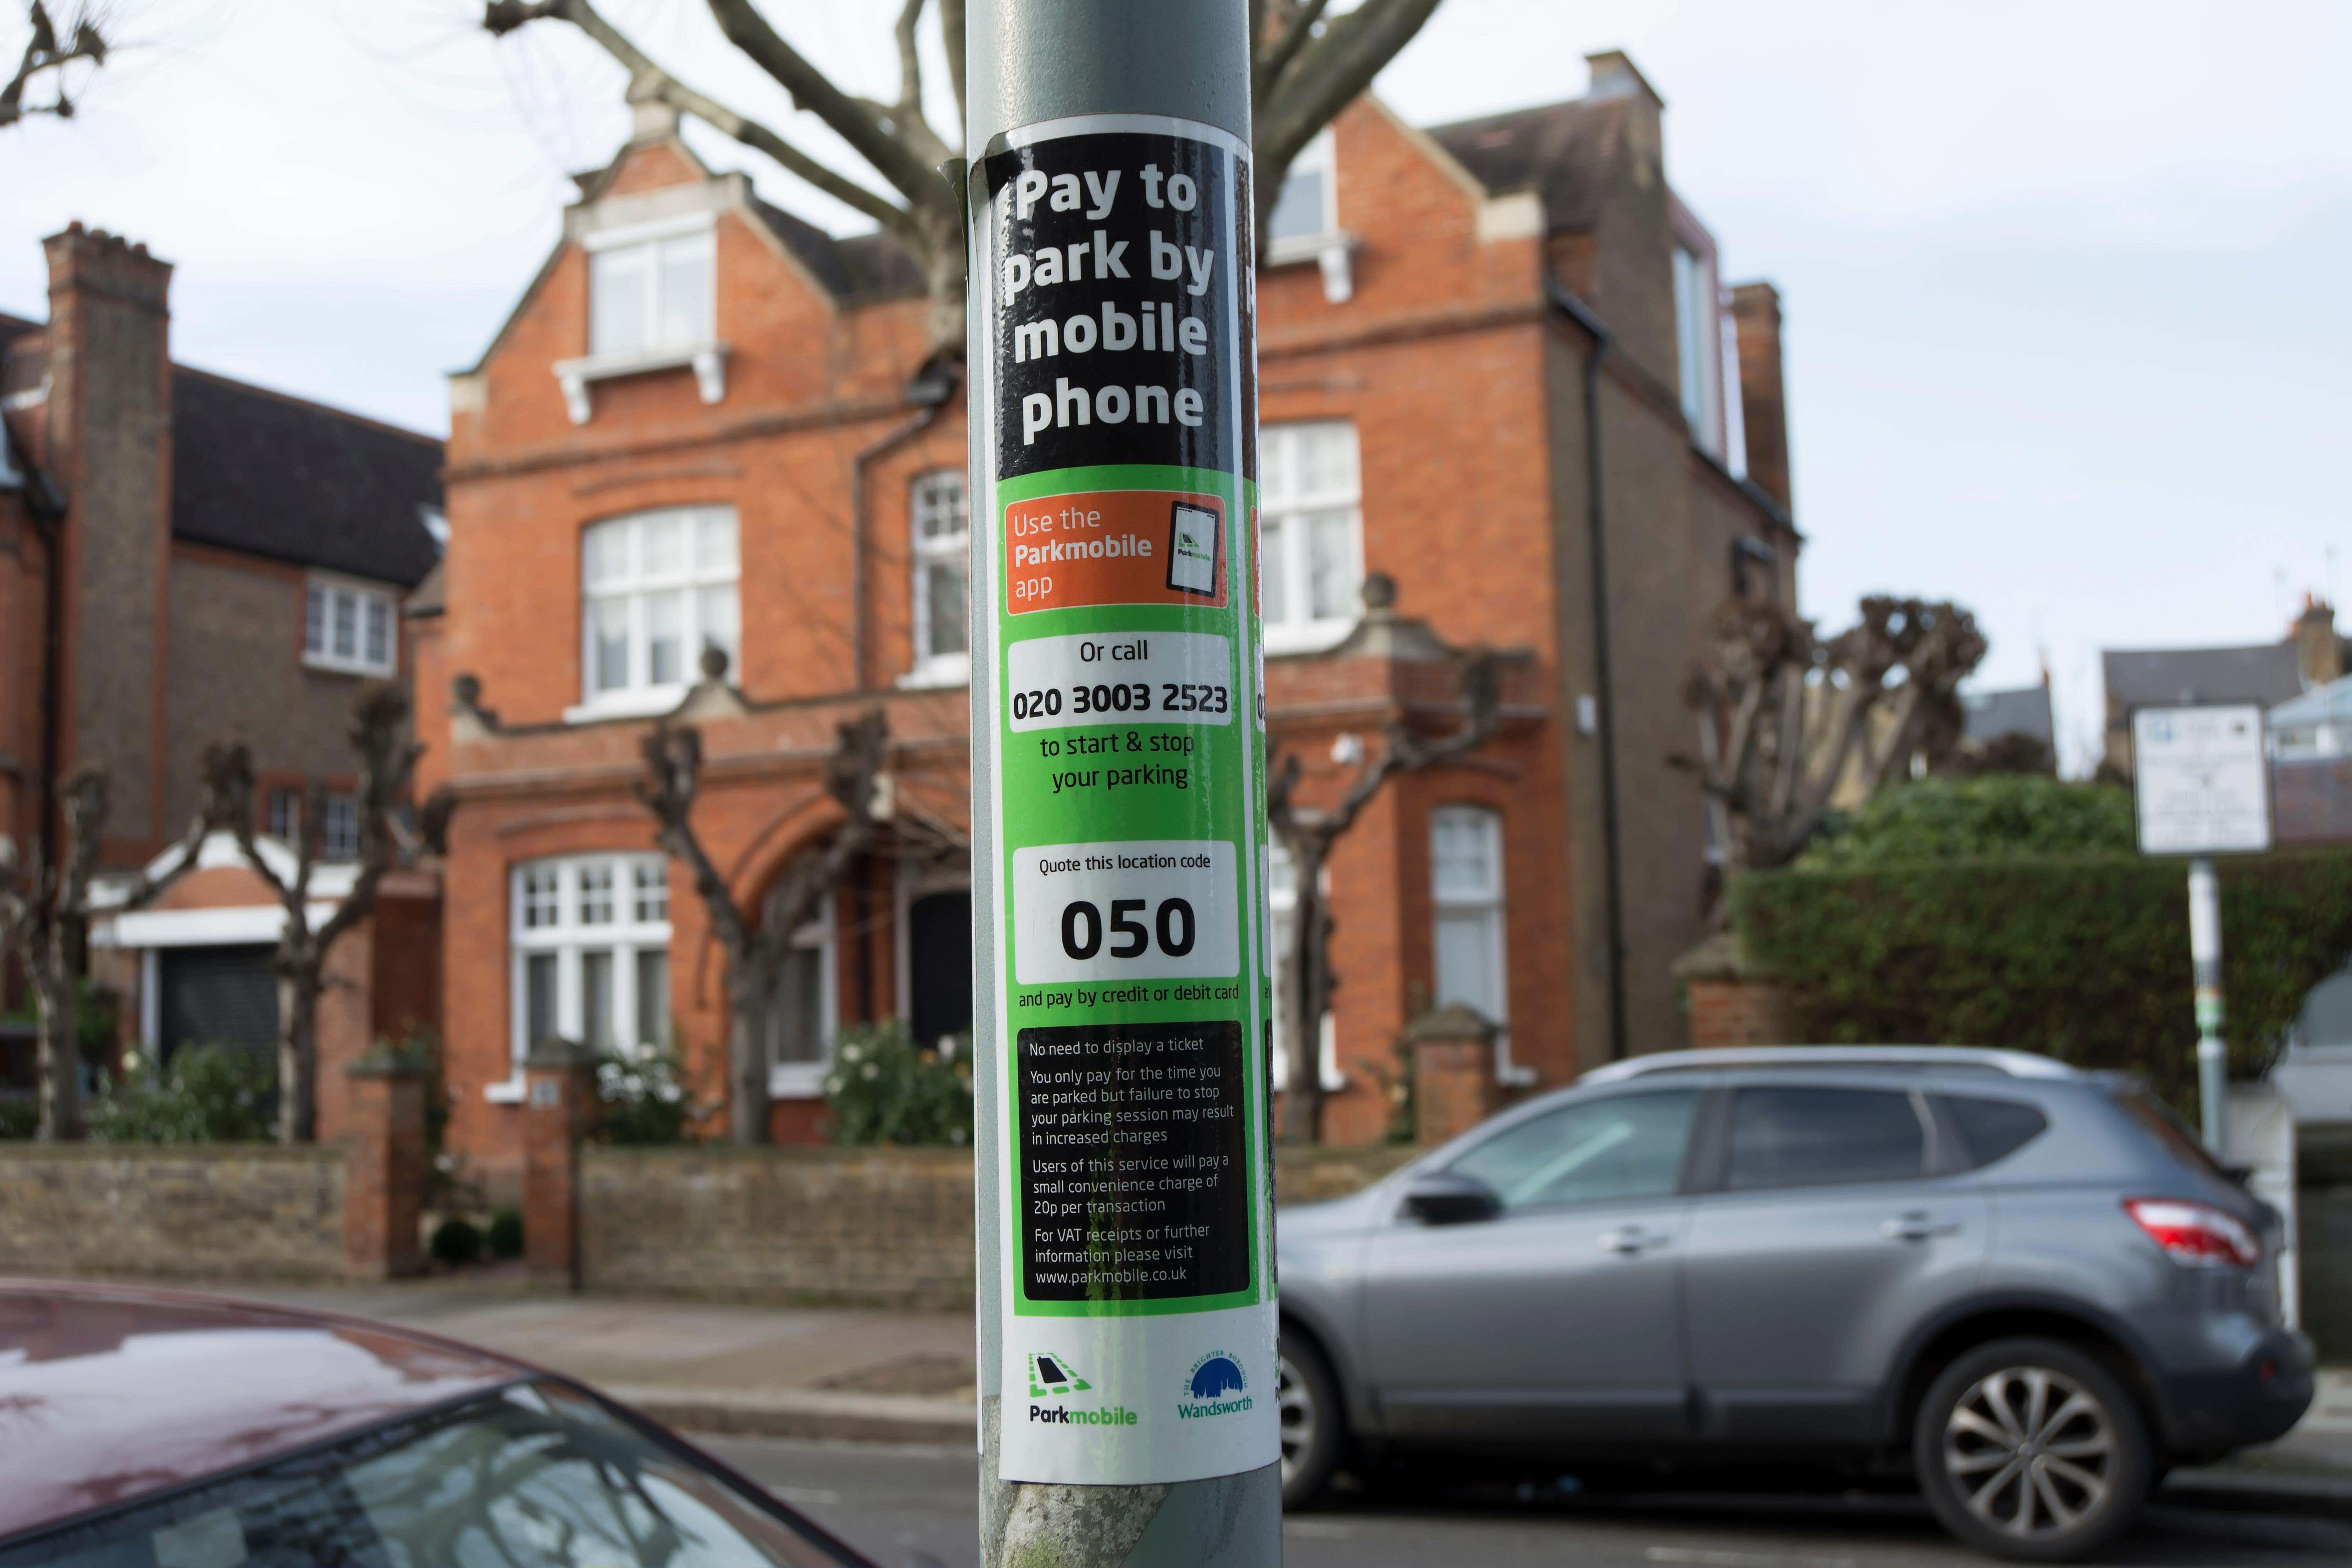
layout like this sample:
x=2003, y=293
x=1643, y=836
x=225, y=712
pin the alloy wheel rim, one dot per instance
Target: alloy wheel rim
x=1297, y=1409
x=2031, y=1452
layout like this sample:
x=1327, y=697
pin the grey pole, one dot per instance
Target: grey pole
x=2205, y=960
x=1030, y=62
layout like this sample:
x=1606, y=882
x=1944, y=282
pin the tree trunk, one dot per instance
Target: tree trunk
x=297, y=1058
x=58, y=1050
x=747, y=1063
x=1302, y=1098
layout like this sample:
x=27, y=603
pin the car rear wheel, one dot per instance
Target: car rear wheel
x=2028, y=1449
x=1313, y=1425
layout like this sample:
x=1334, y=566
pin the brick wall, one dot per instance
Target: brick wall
x=862, y=1227
x=241, y=1212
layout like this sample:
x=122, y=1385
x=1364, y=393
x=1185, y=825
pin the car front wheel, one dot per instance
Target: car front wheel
x=1313, y=1424
x=2028, y=1449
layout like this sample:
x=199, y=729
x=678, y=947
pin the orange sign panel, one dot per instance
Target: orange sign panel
x=1114, y=547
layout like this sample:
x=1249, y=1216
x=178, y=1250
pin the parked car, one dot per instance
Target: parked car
x=2032, y=1285
x=163, y=1430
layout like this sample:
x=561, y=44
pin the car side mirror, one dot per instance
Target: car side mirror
x=1449, y=1197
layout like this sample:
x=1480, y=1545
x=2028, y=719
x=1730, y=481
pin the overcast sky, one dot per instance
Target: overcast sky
x=2065, y=285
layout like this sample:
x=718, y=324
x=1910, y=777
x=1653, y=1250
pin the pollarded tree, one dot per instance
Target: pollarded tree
x=387, y=757
x=755, y=950
x=1788, y=721
x=45, y=913
x=50, y=51
x=1310, y=62
x=1308, y=833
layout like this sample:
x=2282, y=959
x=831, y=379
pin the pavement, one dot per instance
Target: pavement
x=846, y=1375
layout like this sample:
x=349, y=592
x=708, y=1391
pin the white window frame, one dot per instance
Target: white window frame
x=805, y=1080
x=933, y=668
x=641, y=695
x=339, y=836
x=1488, y=904
x=1281, y=909
x=1329, y=246
x=1698, y=346
x=324, y=595
x=1292, y=627
x=627, y=933
x=701, y=349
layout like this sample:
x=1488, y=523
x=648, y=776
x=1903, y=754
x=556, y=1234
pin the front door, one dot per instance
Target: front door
x=1827, y=1245
x=1558, y=1320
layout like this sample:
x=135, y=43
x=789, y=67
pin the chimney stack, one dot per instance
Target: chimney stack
x=2317, y=654
x=1763, y=402
x=110, y=447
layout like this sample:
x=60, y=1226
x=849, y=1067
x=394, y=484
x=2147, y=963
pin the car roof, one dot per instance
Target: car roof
x=110, y=1392
x=1840, y=1058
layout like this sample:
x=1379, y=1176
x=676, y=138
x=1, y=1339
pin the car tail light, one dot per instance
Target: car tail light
x=2196, y=1236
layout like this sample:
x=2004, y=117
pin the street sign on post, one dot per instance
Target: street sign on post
x=2201, y=787
x=1119, y=856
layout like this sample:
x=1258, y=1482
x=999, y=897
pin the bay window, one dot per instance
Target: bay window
x=1311, y=533
x=590, y=942
x=657, y=589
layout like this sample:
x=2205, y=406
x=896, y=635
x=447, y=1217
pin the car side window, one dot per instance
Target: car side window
x=1797, y=1137
x=1992, y=1130
x=1627, y=1146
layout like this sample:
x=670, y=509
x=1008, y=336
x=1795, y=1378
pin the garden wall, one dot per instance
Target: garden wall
x=221, y=1212
x=882, y=1227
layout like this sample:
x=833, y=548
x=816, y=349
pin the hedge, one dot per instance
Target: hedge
x=2084, y=959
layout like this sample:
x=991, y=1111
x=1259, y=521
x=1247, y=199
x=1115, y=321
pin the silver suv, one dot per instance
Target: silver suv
x=2031, y=1282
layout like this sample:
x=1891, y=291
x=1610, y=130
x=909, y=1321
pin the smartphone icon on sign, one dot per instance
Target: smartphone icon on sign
x=1193, y=550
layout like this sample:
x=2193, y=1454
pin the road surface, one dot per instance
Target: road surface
x=896, y=1501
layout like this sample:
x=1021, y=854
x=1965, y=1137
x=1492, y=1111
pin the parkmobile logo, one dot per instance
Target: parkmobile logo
x=1050, y=1375
x=1214, y=1387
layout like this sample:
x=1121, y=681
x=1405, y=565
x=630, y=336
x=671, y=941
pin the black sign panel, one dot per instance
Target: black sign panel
x=1121, y=276
x=1134, y=1185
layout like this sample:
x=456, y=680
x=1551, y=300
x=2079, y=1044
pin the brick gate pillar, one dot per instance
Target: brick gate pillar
x=1453, y=1086
x=559, y=1101
x=383, y=1167
x=1728, y=999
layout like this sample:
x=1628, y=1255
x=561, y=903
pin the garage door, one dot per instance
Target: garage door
x=216, y=995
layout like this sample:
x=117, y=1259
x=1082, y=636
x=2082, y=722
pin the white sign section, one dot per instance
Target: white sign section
x=2201, y=780
x=1111, y=913
x=1161, y=678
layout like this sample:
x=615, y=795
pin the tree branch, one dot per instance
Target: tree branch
x=910, y=64
x=43, y=53
x=649, y=81
x=952, y=33
x=810, y=89
x=673, y=755
x=1273, y=62
x=1330, y=70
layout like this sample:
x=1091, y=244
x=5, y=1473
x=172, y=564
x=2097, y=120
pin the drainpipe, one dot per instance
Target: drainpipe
x=929, y=391
x=1596, y=532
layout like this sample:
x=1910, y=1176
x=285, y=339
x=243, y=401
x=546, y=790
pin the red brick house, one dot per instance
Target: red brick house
x=705, y=425
x=186, y=559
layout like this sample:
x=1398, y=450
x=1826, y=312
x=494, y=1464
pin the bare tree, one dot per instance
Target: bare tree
x=379, y=734
x=48, y=51
x=1308, y=64
x=1784, y=717
x=1308, y=834
x=45, y=915
x=756, y=951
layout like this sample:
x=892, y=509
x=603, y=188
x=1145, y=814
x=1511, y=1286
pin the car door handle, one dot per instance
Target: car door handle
x=1630, y=1240
x=1917, y=1225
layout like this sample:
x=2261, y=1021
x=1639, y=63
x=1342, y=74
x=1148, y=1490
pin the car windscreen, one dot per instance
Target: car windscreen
x=533, y=1476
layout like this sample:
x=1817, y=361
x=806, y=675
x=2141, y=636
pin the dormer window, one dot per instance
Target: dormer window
x=347, y=627
x=1305, y=223
x=651, y=297
x=652, y=305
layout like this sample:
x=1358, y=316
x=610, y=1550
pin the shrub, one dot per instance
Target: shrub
x=456, y=1241
x=2085, y=959
x=641, y=1100
x=20, y=1116
x=884, y=1089
x=207, y=1094
x=2003, y=817
x=506, y=1233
